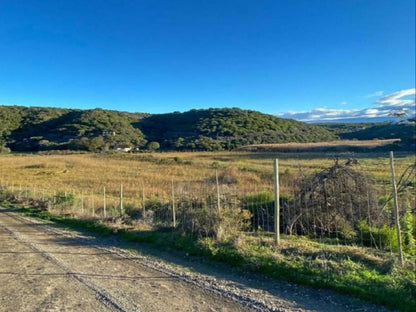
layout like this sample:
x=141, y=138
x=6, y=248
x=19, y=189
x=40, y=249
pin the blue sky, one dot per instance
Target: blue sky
x=293, y=58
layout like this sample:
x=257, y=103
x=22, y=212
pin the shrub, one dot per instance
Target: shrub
x=383, y=237
x=408, y=231
x=64, y=200
x=153, y=146
x=231, y=222
x=261, y=207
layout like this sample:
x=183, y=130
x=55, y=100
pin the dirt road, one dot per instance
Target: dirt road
x=43, y=268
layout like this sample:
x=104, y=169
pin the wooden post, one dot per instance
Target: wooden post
x=218, y=191
x=396, y=209
x=92, y=203
x=276, y=204
x=82, y=202
x=104, y=204
x=143, y=203
x=121, y=199
x=173, y=205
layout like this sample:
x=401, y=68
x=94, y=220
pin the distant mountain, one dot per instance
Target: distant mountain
x=38, y=128
x=376, y=130
x=356, y=120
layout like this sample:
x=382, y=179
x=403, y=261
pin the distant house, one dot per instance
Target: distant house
x=108, y=133
x=124, y=148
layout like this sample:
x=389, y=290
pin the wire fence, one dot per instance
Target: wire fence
x=340, y=204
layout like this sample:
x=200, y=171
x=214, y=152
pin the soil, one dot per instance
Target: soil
x=45, y=268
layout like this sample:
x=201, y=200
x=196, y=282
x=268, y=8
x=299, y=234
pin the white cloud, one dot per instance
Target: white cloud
x=372, y=112
x=321, y=114
x=396, y=99
x=384, y=106
x=375, y=94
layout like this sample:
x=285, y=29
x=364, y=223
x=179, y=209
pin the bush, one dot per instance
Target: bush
x=64, y=200
x=408, y=231
x=161, y=211
x=4, y=149
x=261, y=207
x=231, y=222
x=153, y=146
x=383, y=237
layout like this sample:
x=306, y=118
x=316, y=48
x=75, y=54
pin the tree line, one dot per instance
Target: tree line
x=43, y=128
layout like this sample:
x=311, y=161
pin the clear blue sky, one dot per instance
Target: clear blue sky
x=161, y=56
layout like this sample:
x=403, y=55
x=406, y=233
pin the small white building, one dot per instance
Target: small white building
x=124, y=149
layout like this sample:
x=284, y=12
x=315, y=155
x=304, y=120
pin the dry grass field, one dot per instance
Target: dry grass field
x=153, y=172
x=320, y=146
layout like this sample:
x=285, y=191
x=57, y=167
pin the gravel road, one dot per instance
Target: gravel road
x=44, y=268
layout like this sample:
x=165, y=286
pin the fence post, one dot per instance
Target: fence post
x=276, y=203
x=173, y=206
x=218, y=191
x=143, y=203
x=121, y=199
x=82, y=202
x=104, y=204
x=396, y=209
x=92, y=203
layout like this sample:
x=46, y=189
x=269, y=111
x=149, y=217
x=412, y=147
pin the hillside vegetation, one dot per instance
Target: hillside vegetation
x=42, y=129
x=217, y=129
x=370, y=131
x=37, y=129
x=34, y=129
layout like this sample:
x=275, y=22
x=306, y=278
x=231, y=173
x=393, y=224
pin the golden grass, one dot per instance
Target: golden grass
x=191, y=172
x=344, y=144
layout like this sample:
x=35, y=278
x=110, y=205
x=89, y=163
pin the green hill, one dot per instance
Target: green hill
x=37, y=129
x=228, y=128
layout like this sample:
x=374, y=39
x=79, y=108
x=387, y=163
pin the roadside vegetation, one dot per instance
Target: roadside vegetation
x=366, y=273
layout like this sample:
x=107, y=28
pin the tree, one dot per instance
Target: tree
x=153, y=146
x=399, y=114
x=96, y=144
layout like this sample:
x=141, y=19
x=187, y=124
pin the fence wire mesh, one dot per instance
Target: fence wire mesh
x=342, y=204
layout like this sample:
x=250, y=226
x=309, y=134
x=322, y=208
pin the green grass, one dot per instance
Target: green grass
x=361, y=272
